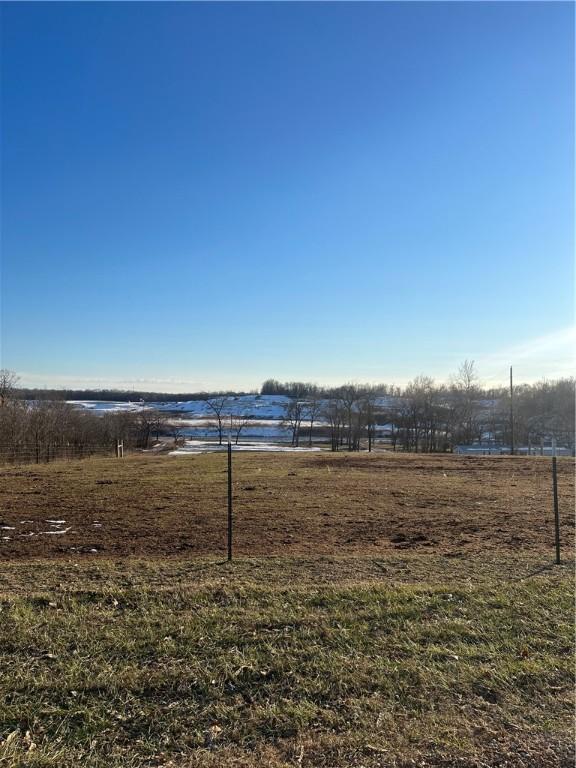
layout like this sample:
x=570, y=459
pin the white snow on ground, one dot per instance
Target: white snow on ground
x=106, y=406
x=196, y=421
x=256, y=406
x=202, y=446
x=208, y=422
x=251, y=432
x=56, y=533
x=259, y=407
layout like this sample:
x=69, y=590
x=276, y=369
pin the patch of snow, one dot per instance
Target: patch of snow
x=56, y=533
x=203, y=446
x=106, y=406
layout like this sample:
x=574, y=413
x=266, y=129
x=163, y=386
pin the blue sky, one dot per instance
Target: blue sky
x=205, y=195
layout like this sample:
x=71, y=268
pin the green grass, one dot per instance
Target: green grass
x=284, y=663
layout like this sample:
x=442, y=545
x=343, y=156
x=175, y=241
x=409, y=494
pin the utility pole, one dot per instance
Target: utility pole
x=511, y=414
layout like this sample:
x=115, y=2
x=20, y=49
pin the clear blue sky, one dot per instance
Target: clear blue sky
x=205, y=195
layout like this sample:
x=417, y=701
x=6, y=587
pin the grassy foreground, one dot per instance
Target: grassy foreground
x=331, y=662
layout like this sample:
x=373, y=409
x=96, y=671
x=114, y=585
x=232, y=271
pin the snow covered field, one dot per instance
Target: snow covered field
x=257, y=407
x=254, y=406
x=195, y=419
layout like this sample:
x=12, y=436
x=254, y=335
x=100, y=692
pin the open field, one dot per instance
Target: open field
x=285, y=662
x=410, y=614
x=284, y=505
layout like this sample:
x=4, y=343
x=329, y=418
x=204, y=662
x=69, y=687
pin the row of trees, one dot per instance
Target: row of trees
x=424, y=416
x=117, y=395
x=44, y=429
x=304, y=389
x=427, y=417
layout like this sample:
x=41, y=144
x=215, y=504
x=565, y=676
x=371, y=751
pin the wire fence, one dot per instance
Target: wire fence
x=44, y=454
x=308, y=504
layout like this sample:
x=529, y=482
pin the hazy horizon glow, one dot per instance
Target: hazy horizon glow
x=200, y=196
x=552, y=355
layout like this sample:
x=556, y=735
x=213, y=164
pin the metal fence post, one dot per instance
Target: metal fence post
x=229, y=499
x=555, y=495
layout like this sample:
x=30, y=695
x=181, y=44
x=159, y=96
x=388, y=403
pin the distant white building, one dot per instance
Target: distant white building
x=489, y=449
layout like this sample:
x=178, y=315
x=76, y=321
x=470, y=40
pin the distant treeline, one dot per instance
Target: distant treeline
x=37, y=429
x=116, y=395
x=425, y=416
x=310, y=389
x=41, y=430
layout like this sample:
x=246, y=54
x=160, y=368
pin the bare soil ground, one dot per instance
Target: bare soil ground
x=290, y=505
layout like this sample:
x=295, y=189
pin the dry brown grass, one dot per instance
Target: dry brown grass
x=279, y=663
x=296, y=505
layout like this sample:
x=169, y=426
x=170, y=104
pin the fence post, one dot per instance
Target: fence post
x=229, y=499
x=511, y=414
x=555, y=495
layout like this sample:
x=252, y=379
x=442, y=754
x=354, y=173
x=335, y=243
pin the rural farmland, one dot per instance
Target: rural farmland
x=285, y=504
x=380, y=610
x=287, y=392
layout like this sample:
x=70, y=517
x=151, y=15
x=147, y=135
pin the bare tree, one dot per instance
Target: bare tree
x=159, y=423
x=293, y=415
x=237, y=424
x=147, y=423
x=333, y=412
x=349, y=396
x=217, y=405
x=8, y=382
x=465, y=395
x=175, y=429
x=367, y=414
x=420, y=414
x=312, y=407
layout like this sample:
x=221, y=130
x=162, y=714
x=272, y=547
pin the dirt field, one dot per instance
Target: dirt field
x=286, y=504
